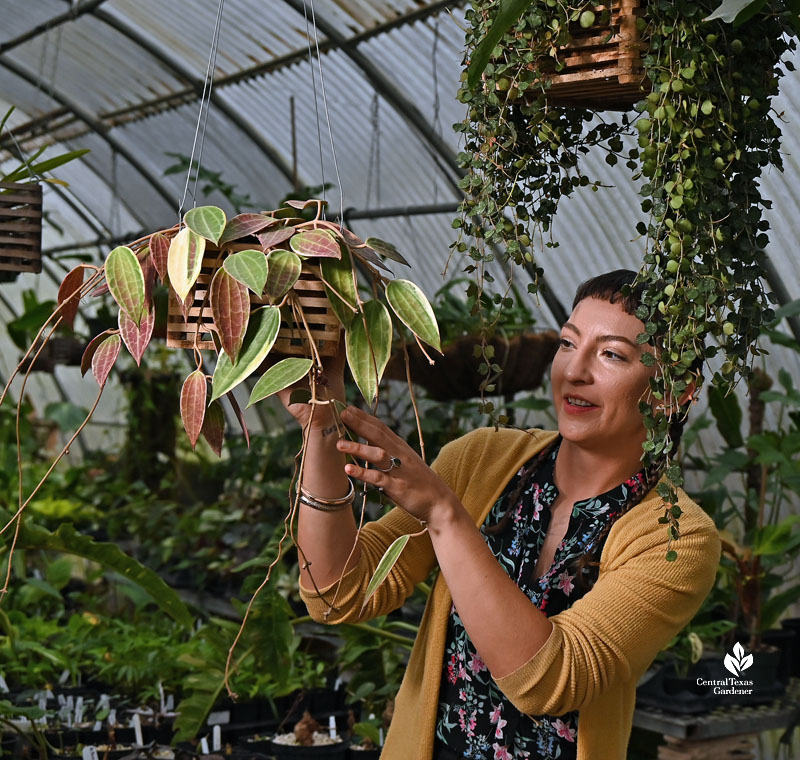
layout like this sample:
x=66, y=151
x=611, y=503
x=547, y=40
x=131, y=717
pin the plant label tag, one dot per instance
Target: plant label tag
x=216, y=738
x=90, y=753
x=62, y=679
x=204, y=746
x=136, y=722
x=219, y=718
x=161, y=698
x=112, y=717
x=42, y=702
x=170, y=703
x=3, y=685
x=332, y=727
x=98, y=726
x=62, y=700
x=78, y=710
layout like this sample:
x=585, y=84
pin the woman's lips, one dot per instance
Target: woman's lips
x=575, y=409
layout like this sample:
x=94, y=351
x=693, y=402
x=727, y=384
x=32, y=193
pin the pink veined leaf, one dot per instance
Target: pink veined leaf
x=316, y=243
x=245, y=224
x=239, y=416
x=150, y=274
x=136, y=339
x=214, y=427
x=91, y=347
x=159, y=250
x=193, y=404
x=230, y=305
x=271, y=238
x=104, y=358
x=69, y=302
x=307, y=202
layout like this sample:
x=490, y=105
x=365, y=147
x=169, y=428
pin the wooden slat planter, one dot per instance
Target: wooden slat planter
x=20, y=227
x=292, y=339
x=602, y=64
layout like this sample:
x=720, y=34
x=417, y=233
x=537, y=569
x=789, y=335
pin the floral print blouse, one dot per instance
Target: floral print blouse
x=475, y=719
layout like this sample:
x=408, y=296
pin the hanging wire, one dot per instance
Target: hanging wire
x=325, y=106
x=437, y=124
x=374, y=165
x=316, y=106
x=205, y=99
x=114, y=223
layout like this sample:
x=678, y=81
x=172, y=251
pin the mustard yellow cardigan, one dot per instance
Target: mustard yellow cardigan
x=599, y=647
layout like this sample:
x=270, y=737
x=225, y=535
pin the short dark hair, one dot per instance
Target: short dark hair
x=609, y=287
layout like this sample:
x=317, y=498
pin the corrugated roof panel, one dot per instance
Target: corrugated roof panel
x=97, y=66
x=18, y=21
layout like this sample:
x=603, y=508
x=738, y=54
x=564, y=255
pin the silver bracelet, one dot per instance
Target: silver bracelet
x=328, y=505
x=318, y=505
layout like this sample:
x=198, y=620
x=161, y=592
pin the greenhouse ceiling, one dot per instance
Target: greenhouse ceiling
x=372, y=116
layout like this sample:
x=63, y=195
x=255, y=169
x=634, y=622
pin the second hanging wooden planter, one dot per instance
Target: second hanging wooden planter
x=20, y=227
x=308, y=294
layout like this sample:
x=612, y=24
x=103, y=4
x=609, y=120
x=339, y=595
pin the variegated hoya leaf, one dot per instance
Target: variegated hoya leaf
x=386, y=249
x=308, y=202
x=126, y=281
x=414, y=311
x=316, y=243
x=214, y=427
x=137, y=338
x=193, y=404
x=278, y=377
x=69, y=295
x=249, y=268
x=230, y=305
x=338, y=274
x=104, y=358
x=159, y=252
x=245, y=224
x=91, y=347
x=150, y=275
x=367, y=357
x=259, y=339
x=206, y=221
x=284, y=271
x=237, y=411
x=184, y=261
x=271, y=238
x=388, y=561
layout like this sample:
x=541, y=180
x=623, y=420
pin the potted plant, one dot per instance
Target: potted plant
x=704, y=130
x=21, y=209
x=308, y=741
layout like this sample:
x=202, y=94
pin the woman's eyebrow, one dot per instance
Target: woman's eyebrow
x=602, y=338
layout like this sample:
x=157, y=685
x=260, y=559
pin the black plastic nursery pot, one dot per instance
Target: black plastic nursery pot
x=293, y=752
x=785, y=639
x=696, y=693
x=356, y=752
x=793, y=624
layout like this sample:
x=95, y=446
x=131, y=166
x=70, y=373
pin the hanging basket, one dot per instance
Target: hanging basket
x=20, y=227
x=308, y=295
x=524, y=359
x=602, y=65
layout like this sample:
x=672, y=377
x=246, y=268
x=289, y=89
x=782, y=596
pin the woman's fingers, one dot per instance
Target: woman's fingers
x=373, y=454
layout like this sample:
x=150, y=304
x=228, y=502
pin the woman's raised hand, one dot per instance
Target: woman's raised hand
x=395, y=468
x=329, y=385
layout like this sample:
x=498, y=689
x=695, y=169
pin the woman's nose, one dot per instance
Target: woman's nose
x=578, y=368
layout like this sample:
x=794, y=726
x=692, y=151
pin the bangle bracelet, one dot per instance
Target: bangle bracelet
x=314, y=504
x=347, y=499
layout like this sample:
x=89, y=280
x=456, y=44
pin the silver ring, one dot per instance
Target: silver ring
x=393, y=462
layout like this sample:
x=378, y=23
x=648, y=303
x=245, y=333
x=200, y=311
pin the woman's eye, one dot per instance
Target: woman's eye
x=614, y=355
x=564, y=343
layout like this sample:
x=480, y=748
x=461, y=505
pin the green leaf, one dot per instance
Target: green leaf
x=386, y=249
x=278, y=377
x=214, y=427
x=777, y=604
x=194, y=709
x=507, y=14
x=65, y=414
x=249, y=267
x=791, y=309
x=729, y=10
x=126, y=281
x=230, y=305
x=206, y=221
x=414, y=311
x=67, y=539
x=338, y=273
x=40, y=168
x=315, y=243
x=258, y=340
x=184, y=261
x=728, y=414
x=284, y=271
x=104, y=358
x=193, y=404
x=388, y=561
x=368, y=343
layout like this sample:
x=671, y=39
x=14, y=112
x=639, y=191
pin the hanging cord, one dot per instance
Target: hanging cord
x=374, y=165
x=437, y=124
x=325, y=106
x=316, y=107
x=114, y=222
x=205, y=99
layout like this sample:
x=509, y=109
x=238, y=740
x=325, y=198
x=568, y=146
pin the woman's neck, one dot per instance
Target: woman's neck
x=583, y=473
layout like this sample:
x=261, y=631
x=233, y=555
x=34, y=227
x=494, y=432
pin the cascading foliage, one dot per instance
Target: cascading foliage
x=706, y=131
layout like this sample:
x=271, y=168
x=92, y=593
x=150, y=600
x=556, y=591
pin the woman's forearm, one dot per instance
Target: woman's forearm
x=325, y=539
x=506, y=628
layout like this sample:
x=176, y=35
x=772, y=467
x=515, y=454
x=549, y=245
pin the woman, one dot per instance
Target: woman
x=525, y=649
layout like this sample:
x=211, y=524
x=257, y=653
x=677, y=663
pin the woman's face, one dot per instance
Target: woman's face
x=598, y=378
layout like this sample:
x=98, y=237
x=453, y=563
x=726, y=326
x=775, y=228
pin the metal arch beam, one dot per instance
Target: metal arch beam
x=101, y=129
x=177, y=68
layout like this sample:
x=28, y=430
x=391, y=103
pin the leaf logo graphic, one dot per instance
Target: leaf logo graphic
x=738, y=662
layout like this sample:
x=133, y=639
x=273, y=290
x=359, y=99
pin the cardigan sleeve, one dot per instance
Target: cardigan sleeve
x=613, y=633
x=414, y=565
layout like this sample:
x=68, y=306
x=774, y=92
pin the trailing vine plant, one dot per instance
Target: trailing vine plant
x=705, y=130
